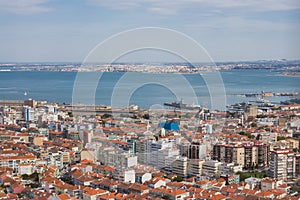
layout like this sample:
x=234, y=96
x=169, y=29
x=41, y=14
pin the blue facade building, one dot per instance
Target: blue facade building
x=169, y=125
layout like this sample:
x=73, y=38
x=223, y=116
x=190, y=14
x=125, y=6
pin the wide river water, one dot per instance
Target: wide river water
x=58, y=86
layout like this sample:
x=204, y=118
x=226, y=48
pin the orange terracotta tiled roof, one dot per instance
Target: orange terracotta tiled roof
x=56, y=132
x=278, y=192
x=249, y=192
x=110, y=196
x=2, y=195
x=64, y=185
x=218, y=197
x=138, y=187
x=64, y=197
x=25, y=157
x=155, y=180
x=12, y=196
x=265, y=194
x=91, y=191
x=169, y=191
x=202, y=182
x=108, y=182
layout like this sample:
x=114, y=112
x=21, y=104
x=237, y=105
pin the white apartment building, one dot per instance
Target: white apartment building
x=148, y=150
x=59, y=159
x=283, y=164
x=117, y=158
x=166, y=157
x=195, y=167
x=180, y=166
x=14, y=161
x=211, y=167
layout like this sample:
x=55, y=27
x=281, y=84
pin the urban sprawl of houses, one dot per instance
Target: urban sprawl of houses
x=283, y=67
x=49, y=152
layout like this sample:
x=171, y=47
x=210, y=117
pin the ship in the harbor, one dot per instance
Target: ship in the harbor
x=181, y=105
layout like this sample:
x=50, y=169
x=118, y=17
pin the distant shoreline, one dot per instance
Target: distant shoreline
x=285, y=68
x=296, y=74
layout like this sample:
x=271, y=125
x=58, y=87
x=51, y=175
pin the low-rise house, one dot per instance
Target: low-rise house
x=252, y=183
x=80, y=178
x=65, y=188
x=92, y=194
x=204, y=184
x=268, y=184
x=142, y=177
x=178, y=185
x=248, y=192
x=265, y=194
x=25, y=169
x=108, y=184
x=157, y=182
x=169, y=193
x=135, y=188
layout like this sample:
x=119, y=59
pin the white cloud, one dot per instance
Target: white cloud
x=24, y=6
x=162, y=6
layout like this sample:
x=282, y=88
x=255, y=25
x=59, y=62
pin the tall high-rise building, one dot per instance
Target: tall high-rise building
x=211, y=167
x=248, y=155
x=197, y=150
x=166, y=157
x=29, y=114
x=263, y=151
x=283, y=164
x=143, y=149
x=228, y=153
x=87, y=137
x=180, y=166
x=115, y=157
x=251, y=155
x=148, y=151
x=195, y=167
x=131, y=146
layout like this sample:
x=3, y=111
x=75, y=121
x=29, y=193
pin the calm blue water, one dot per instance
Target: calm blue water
x=58, y=86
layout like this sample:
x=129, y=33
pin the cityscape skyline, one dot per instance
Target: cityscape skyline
x=129, y=99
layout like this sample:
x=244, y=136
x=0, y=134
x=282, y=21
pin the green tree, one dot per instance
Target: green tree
x=25, y=176
x=178, y=179
x=253, y=124
x=280, y=138
x=242, y=133
x=165, y=197
x=34, y=176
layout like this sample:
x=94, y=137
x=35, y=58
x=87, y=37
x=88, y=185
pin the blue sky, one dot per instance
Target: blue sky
x=231, y=30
